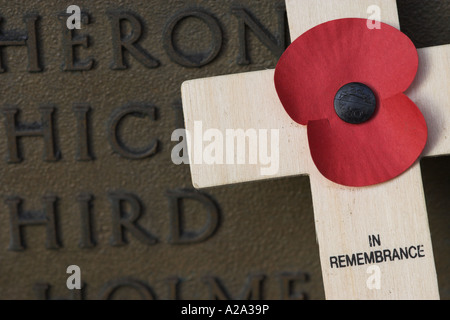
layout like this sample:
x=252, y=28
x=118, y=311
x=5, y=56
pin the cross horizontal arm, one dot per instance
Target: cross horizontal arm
x=245, y=101
x=249, y=101
x=431, y=92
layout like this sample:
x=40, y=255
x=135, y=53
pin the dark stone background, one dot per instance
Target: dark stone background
x=266, y=228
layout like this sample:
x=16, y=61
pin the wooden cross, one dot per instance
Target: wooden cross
x=353, y=225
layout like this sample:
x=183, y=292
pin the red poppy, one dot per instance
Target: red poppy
x=327, y=58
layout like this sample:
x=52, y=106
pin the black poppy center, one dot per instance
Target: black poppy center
x=355, y=103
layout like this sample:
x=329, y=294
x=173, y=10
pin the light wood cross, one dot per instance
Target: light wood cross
x=353, y=225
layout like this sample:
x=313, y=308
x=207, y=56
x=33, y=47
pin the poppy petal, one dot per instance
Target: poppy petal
x=376, y=151
x=332, y=54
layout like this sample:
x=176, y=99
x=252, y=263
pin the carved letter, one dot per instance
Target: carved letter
x=122, y=220
x=173, y=284
x=83, y=148
x=28, y=39
x=178, y=234
x=199, y=59
x=69, y=42
x=114, y=286
x=288, y=282
x=86, y=240
x=19, y=219
x=251, y=291
x=128, y=42
x=138, y=110
x=44, y=129
x=276, y=45
x=41, y=291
